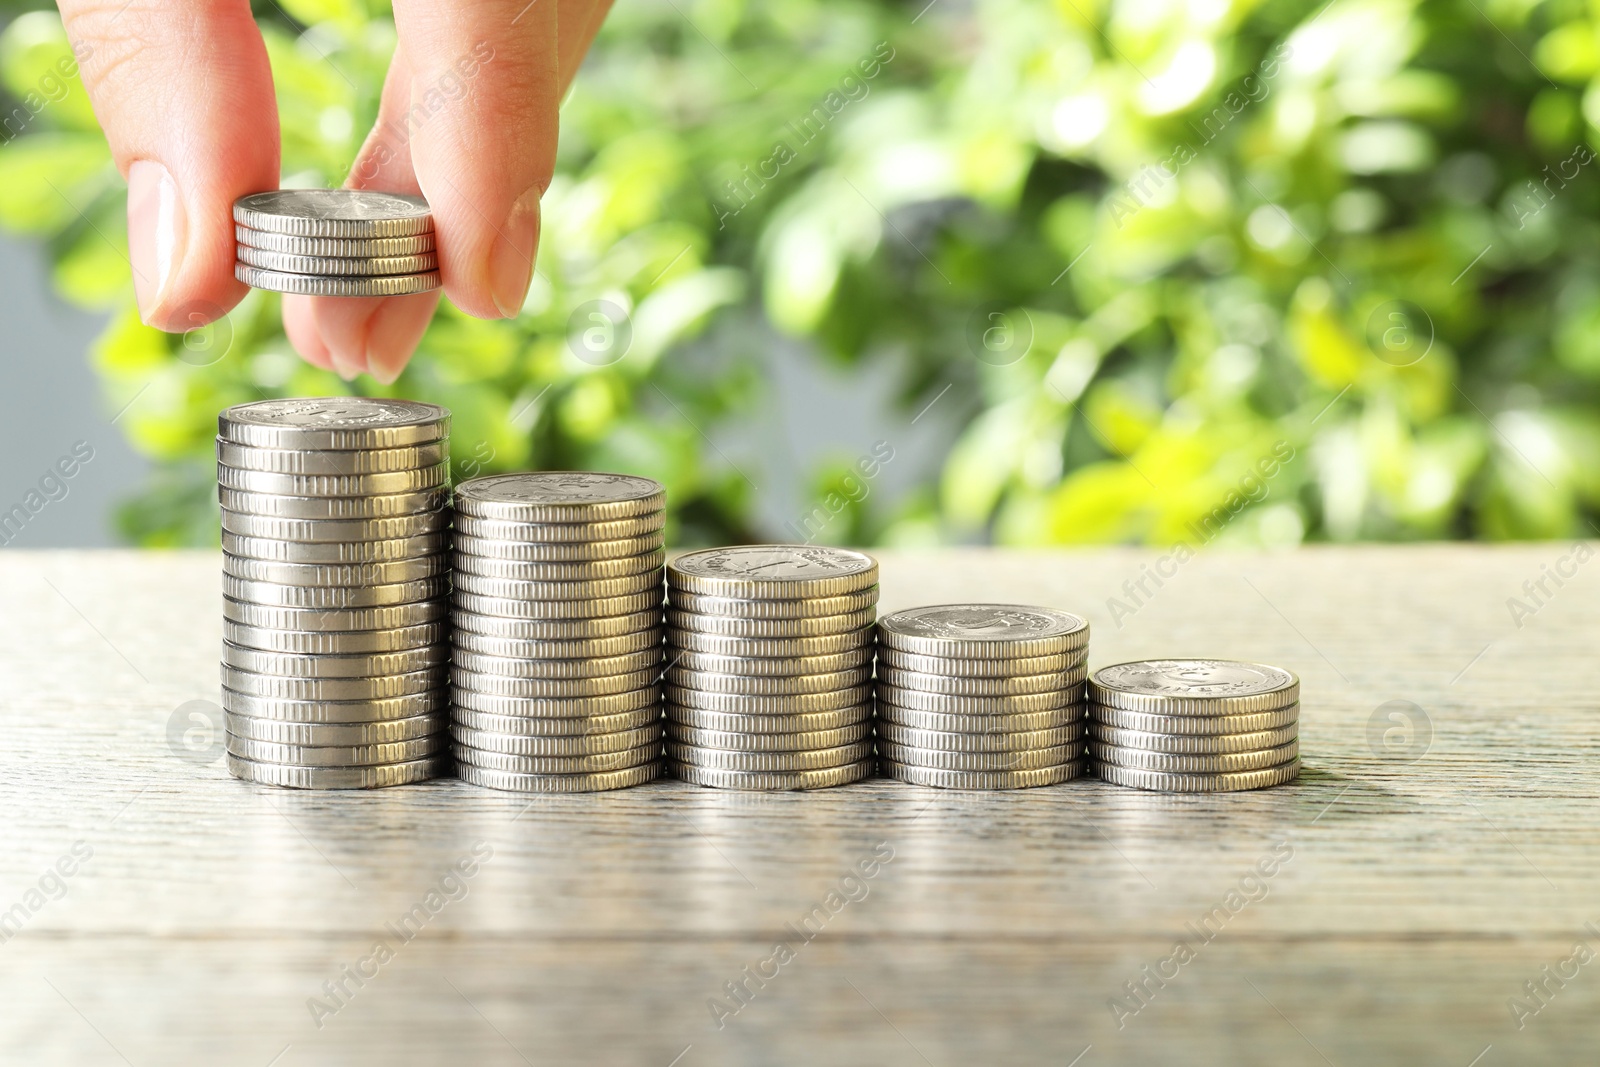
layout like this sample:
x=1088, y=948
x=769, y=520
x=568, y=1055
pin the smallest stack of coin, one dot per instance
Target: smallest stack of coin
x=981, y=696
x=335, y=242
x=1194, y=725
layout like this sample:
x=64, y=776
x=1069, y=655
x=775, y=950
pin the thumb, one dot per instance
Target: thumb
x=170, y=81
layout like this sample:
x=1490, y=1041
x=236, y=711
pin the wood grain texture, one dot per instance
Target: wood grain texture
x=1420, y=896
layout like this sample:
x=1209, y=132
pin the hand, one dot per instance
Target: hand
x=467, y=118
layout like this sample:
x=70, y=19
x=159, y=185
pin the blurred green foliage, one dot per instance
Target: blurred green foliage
x=1145, y=241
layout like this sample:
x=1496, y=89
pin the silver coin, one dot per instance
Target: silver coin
x=390, y=505
x=343, y=213
x=983, y=631
x=772, y=666
x=562, y=552
x=1071, y=716
x=1197, y=783
x=394, y=685
x=532, y=649
x=346, y=552
x=560, y=497
x=588, y=667
x=315, y=285
x=361, y=665
x=559, y=783
x=772, y=781
x=945, y=666
x=387, y=483
x=944, y=741
x=336, y=597
x=983, y=780
x=728, y=626
x=1029, y=760
x=766, y=762
x=593, y=763
x=772, y=609
x=327, y=462
x=337, y=643
x=544, y=610
x=365, y=266
x=768, y=705
x=295, y=777
x=1195, y=744
x=859, y=715
x=545, y=688
x=1196, y=725
x=558, y=629
x=337, y=755
x=354, y=733
x=535, y=726
x=768, y=686
x=339, y=247
x=338, y=423
x=1194, y=687
x=382, y=709
x=948, y=703
x=320, y=620
x=336, y=531
x=774, y=572
x=583, y=589
x=581, y=745
x=856, y=641
x=559, y=532
x=1016, y=685
x=799, y=741
x=388, y=572
x=1193, y=763
x=577, y=571
x=572, y=709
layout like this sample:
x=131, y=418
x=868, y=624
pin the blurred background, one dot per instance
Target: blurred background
x=1017, y=271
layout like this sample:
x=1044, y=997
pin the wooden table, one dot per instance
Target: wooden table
x=1424, y=884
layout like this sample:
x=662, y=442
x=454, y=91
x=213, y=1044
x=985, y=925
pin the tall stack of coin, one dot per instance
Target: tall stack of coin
x=981, y=696
x=335, y=242
x=770, y=666
x=1194, y=725
x=335, y=518
x=555, y=686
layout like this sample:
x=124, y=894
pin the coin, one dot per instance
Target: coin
x=363, y=665
x=772, y=609
x=534, y=649
x=1195, y=744
x=560, y=497
x=538, y=726
x=798, y=741
x=796, y=722
x=548, y=610
x=382, y=709
x=560, y=532
x=394, y=685
x=399, y=616
x=348, y=552
x=1028, y=760
x=336, y=531
x=770, y=781
x=811, y=760
x=983, y=631
x=948, y=703
x=339, y=423
x=1198, y=783
x=343, y=213
x=576, y=571
x=546, y=688
x=557, y=629
x=1016, y=685
x=335, y=643
x=757, y=685
x=296, y=777
x=1194, y=763
x=580, y=745
x=951, y=667
x=327, y=462
x=389, y=572
x=729, y=626
x=969, y=725
x=564, y=552
x=856, y=641
x=583, y=589
x=342, y=247
x=1194, y=687
x=390, y=505
x=983, y=780
x=570, y=708
x=337, y=597
x=559, y=783
x=832, y=700
x=355, y=733
x=947, y=741
x=386, y=483
x=779, y=666
x=774, y=572
x=1196, y=725
x=289, y=263
x=317, y=285
x=586, y=667
x=336, y=755
x=592, y=763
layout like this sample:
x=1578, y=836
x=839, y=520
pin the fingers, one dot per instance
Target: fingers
x=170, y=81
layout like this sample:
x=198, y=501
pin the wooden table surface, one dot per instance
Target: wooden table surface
x=1414, y=887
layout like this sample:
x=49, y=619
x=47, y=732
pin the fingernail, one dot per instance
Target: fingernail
x=156, y=232
x=511, y=260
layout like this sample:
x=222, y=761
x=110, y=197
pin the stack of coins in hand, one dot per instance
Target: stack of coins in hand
x=555, y=684
x=335, y=519
x=981, y=696
x=335, y=242
x=1194, y=725
x=769, y=666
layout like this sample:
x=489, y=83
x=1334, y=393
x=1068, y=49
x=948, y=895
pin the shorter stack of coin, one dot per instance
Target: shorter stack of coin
x=1194, y=725
x=555, y=683
x=335, y=242
x=981, y=696
x=770, y=666
x=335, y=518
